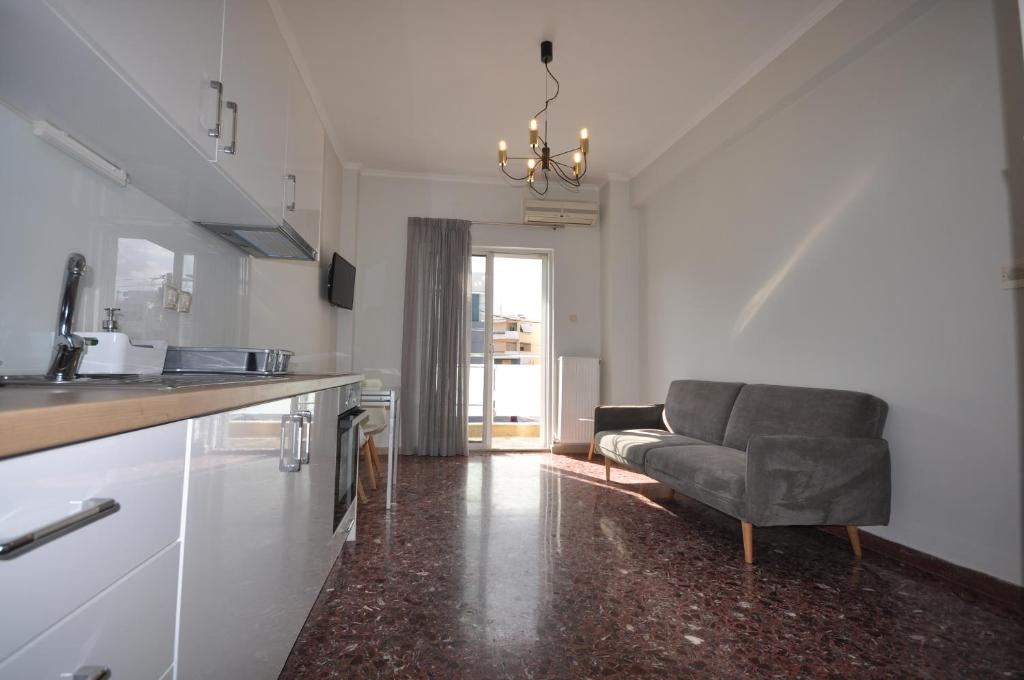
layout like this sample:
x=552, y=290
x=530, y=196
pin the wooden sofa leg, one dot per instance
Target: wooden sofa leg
x=854, y=534
x=590, y=454
x=607, y=469
x=748, y=542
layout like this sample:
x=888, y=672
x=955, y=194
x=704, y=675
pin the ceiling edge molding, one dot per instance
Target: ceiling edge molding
x=300, y=63
x=841, y=37
x=748, y=74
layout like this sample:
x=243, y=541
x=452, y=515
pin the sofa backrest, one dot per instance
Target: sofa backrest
x=805, y=411
x=700, y=408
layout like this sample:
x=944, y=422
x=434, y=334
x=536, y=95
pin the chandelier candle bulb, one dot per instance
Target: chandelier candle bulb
x=577, y=160
x=584, y=140
x=534, y=134
x=531, y=166
x=502, y=153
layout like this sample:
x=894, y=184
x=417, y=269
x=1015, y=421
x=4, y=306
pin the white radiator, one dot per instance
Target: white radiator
x=579, y=387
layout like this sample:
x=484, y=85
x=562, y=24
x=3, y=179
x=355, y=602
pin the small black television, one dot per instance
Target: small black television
x=341, y=282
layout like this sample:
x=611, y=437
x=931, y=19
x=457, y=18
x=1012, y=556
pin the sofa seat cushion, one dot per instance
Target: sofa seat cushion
x=630, y=447
x=715, y=475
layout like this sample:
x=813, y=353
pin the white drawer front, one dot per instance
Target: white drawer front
x=143, y=471
x=129, y=628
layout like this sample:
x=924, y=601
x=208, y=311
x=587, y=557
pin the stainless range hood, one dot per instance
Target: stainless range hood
x=281, y=242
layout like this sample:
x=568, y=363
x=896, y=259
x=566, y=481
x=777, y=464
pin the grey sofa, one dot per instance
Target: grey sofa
x=765, y=454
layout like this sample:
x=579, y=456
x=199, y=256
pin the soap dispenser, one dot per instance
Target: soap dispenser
x=112, y=352
x=110, y=323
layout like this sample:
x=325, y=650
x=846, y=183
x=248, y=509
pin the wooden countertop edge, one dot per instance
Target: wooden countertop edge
x=36, y=428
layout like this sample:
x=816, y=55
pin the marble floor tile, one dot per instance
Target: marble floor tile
x=530, y=566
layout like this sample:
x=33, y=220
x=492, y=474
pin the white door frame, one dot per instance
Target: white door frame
x=545, y=255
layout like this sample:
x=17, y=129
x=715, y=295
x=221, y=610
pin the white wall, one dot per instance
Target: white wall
x=347, y=179
x=384, y=205
x=52, y=206
x=288, y=300
x=853, y=240
x=620, y=295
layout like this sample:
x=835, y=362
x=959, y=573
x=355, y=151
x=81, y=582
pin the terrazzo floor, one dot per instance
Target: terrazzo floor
x=531, y=566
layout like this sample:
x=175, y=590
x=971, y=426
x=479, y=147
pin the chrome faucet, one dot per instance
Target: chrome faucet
x=68, y=348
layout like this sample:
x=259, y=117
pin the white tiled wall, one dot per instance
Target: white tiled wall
x=51, y=205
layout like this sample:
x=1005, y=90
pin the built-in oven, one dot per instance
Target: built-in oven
x=347, y=469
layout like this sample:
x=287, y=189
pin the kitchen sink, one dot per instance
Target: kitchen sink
x=137, y=382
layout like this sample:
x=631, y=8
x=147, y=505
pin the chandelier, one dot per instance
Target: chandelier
x=549, y=164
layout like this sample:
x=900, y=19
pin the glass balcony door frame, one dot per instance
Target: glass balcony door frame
x=545, y=256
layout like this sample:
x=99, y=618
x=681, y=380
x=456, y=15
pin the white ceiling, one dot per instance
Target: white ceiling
x=430, y=86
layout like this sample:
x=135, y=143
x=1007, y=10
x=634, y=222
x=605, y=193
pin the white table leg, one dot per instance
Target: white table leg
x=391, y=450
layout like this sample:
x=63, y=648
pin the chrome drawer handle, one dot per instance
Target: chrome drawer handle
x=219, y=87
x=290, y=207
x=92, y=510
x=291, y=456
x=307, y=426
x=233, y=146
x=91, y=673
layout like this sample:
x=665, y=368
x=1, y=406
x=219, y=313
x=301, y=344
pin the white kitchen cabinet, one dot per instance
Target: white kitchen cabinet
x=48, y=72
x=259, y=540
x=304, y=175
x=254, y=70
x=131, y=79
x=128, y=628
x=169, y=50
x=142, y=471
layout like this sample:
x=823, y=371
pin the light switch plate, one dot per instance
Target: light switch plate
x=184, y=302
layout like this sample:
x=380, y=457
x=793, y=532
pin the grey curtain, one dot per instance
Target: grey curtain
x=434, y=338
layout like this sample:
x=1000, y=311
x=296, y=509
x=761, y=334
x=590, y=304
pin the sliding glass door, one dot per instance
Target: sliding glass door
x=508, y=359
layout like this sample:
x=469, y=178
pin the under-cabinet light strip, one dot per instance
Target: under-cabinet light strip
x=79, y=151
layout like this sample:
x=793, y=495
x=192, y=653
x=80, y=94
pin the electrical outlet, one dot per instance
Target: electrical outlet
x=170, y=297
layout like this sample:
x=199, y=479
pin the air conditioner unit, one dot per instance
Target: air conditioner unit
x=555, y=213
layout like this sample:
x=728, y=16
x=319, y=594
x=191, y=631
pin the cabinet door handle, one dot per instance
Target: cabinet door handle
x=307, y=430
x=290, y=207
x=291, y=455
x=91, y=673
x=232, y=148
x=219, y=87
x=92, y=510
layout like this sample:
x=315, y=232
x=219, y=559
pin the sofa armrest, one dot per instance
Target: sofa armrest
x=817, y=480
x=628, y=417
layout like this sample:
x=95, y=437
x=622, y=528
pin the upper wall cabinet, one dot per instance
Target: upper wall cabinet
x=170, y=50
x=304, y=178
x=163, y=87
x=255, y=75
